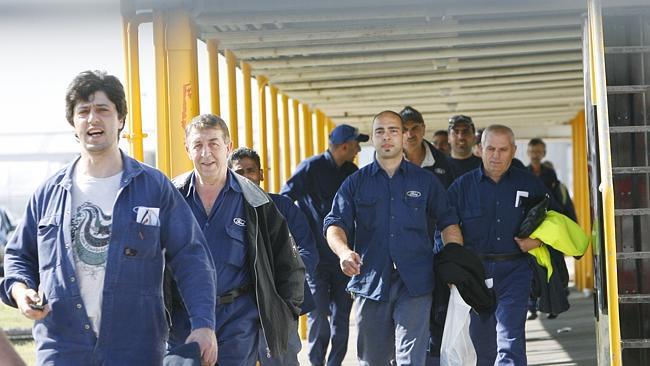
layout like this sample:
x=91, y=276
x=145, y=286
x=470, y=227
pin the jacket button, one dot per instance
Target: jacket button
x=72, y=279
x=86, y=326
x=78, y=306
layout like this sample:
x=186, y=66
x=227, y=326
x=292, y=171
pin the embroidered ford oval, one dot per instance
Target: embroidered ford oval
x=239, y=221
x=413, y=194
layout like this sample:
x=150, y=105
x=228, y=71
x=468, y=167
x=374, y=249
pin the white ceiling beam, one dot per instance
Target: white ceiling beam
x=431, y=77
x=361, y=31
x=413, y=67
x=413, y=88
x=420, y=99
x=405, y=45
x=534, y=48
x=549, y=102
x=489, y=91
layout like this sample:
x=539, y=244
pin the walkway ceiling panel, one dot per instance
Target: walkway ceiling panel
x=517, y=62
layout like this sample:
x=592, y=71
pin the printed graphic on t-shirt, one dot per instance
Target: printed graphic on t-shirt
x=91, y=233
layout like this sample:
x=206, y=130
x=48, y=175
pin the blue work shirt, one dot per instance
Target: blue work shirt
x=313, y=187
x=490, y=213
x=299, y=228
x=392, y=218
x=133, y=324
x=225, y=231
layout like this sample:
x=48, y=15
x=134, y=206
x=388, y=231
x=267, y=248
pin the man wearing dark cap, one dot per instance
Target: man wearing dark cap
x=313, y=187
x=421, y=152
x=461, y=138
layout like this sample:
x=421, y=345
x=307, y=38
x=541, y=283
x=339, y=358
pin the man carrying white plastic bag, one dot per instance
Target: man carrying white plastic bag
x=457, y=348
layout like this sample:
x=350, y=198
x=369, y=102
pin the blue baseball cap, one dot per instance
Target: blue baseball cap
x=344, y=133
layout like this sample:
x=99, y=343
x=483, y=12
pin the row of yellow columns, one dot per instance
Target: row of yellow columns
x=177, y=101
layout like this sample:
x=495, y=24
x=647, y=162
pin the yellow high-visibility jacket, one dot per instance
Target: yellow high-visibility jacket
x=561, y=233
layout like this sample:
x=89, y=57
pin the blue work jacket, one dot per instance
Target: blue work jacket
x=490, y=213
x=134, y=324
x=392, y=218
x=299, y=228
x=313, y=187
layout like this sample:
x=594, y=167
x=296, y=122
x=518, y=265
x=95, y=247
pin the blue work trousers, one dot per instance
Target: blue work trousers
x=500, y=337
x=289, y=358
x=237, y=330
x=397, y=330
x=331, y=317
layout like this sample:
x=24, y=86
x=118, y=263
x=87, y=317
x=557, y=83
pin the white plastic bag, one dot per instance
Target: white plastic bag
x=457, y=348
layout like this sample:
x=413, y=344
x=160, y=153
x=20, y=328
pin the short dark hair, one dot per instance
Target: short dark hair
x=203, y=121
x=536, y=141
x=88, y=83
x=441, y=133
x=243, y=153
x=411, y=114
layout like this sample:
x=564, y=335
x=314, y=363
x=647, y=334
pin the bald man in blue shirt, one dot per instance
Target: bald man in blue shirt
x=391, y=204
x=488, y=203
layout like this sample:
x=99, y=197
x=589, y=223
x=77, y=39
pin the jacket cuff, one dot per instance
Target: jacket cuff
x=199, y=322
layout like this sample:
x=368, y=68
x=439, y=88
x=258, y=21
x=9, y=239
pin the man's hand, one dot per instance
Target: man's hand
x=207, y=341
x=350, y=263
x=527, y=244
x=24, y=297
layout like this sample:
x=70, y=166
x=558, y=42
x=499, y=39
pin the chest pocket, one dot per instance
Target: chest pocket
x=233, y=251
x=366, y=212
x=416, y=206
x=143, y=243
x=47, y=235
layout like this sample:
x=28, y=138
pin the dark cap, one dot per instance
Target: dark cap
x=344, y=133
x=460, y=118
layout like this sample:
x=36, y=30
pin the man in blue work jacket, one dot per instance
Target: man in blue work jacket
x=313, y=187
x=93, y=243
x=391, y=204
x=246, y=162
x=261, y=275
x=488, y=203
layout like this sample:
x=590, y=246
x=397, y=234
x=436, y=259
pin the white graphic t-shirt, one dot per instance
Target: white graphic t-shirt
x=92, y=210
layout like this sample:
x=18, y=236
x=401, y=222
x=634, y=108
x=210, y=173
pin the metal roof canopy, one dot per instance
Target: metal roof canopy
x=516, y=62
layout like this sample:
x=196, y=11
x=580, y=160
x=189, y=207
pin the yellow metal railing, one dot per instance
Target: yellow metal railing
x=599, y=85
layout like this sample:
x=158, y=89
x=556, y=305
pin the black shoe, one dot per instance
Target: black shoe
x=551, y=316
x=532, y=316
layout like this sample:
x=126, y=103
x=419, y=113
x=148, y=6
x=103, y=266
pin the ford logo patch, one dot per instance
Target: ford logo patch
x=239, y=222
x=413, y=194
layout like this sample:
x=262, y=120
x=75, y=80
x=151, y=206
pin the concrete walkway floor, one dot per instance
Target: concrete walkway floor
x=570, y=339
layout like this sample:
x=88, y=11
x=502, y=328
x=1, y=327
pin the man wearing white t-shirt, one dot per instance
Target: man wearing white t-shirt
x=86, y=262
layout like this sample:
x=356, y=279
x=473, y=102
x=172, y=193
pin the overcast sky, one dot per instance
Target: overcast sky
x=43, y=48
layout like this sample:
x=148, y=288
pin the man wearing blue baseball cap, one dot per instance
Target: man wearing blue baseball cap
x=313, y=187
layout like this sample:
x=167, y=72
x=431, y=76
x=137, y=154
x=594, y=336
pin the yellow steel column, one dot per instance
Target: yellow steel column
x=295, y=142
x=286, y=141
x=248, y=104
x=232, y=98
x=182, y=90
x=307, y=138
x=135, y=135
x=320, y=122
x=263, y=149
x=127, y=9
x=584, y=268
x=275, y=137
x=194, y=68
x=162, y=97
x=606, y=182
x=326, y=132
x=213, y=67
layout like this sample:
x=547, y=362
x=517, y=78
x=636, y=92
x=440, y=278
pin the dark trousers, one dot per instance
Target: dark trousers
x=331, y=317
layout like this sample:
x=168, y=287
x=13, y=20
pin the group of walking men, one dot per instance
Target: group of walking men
x=120, y=266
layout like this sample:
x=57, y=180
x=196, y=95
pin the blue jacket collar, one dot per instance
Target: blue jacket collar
x=375, y=167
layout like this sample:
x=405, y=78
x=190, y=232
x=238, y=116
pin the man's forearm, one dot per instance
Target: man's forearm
x=337, y=240
x=452, y=234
